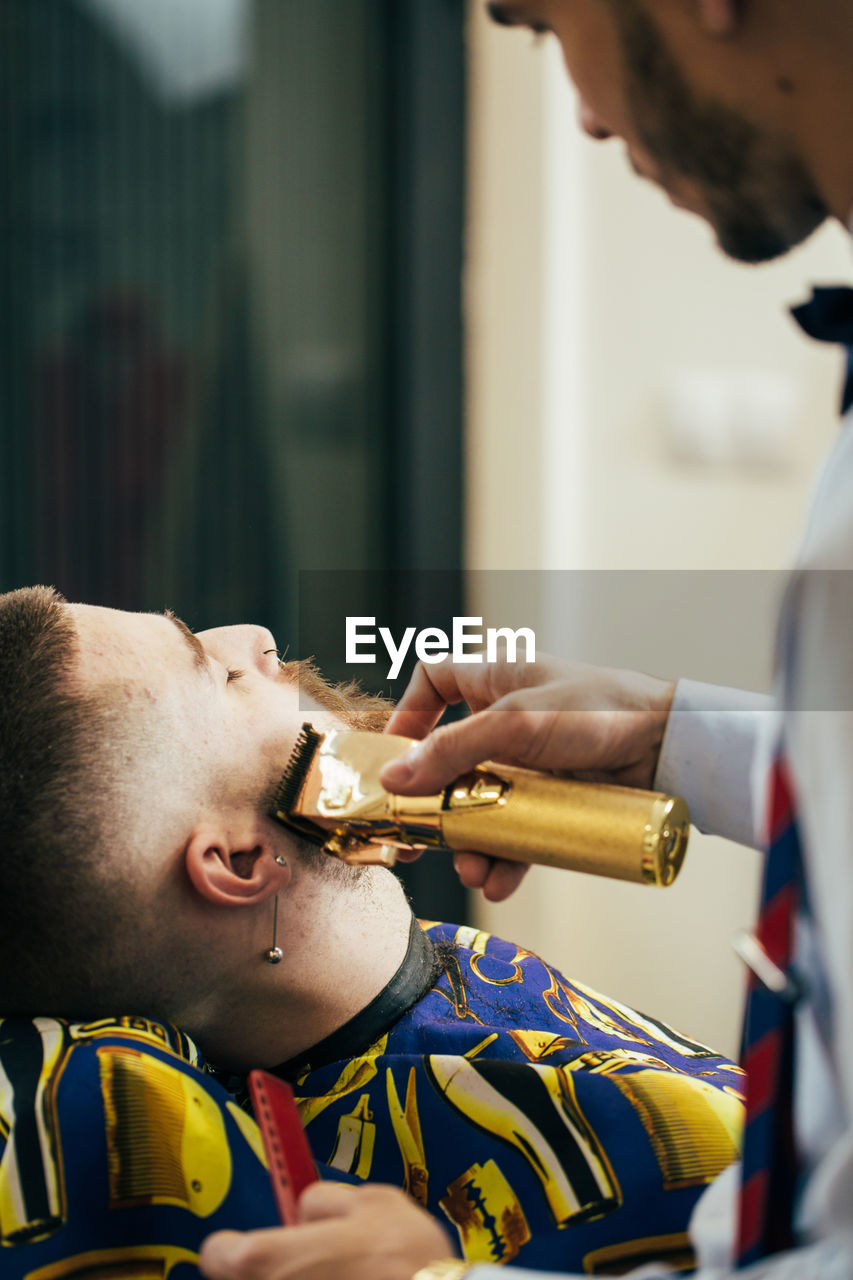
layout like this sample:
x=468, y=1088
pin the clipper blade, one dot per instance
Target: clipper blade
x=292, y=782
x=326, y=780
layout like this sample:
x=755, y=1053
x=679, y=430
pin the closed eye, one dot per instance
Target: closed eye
x=234, y=674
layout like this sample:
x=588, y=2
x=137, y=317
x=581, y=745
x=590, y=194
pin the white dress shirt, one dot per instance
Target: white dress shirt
x=716, y=754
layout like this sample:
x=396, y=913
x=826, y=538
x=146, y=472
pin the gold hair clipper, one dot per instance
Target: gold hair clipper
x=330, y=792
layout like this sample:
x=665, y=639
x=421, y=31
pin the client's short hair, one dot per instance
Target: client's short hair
x=49, y=745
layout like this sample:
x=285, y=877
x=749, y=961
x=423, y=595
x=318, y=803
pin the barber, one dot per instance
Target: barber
x=742, y=110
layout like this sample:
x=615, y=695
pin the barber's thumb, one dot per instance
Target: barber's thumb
x=441, y=756
x=222, y=1255
x=327, y=1200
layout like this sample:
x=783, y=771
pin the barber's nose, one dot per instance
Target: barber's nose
x=592, y=125
x=244, y=646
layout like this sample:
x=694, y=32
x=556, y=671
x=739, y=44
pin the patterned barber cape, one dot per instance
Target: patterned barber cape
x=117, y=1154
x=545, y=1125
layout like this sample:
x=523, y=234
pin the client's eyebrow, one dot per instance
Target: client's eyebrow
x=196, y=648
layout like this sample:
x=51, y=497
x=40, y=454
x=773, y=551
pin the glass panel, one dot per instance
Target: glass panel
x=229, y=298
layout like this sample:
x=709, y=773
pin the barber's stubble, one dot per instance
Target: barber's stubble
x=758, y=195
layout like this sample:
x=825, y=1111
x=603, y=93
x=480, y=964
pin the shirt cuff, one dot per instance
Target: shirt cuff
x=713, y=741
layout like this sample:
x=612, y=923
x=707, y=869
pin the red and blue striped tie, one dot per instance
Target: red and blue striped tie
x=769, y=1162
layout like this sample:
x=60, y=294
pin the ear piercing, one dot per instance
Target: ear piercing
x=275, y=953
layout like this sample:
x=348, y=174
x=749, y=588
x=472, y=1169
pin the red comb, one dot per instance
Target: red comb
x=288, y=1154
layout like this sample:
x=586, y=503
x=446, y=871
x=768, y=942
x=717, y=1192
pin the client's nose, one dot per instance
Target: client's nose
x=242, y=646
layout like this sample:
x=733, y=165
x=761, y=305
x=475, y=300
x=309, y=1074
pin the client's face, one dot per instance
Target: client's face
x=223, y=691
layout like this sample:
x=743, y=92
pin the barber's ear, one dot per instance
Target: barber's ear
x=719, y=17
x=233, y=872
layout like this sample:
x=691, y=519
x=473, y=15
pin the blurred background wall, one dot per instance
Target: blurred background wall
x=231, y=239
x=302, y=304
x=644, y=422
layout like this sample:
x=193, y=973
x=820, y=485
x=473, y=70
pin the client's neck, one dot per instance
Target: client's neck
x=343, y=936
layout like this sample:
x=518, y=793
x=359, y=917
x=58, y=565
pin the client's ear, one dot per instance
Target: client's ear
x=234, y=869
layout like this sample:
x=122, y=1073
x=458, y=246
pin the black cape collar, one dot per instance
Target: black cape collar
x=415, y=976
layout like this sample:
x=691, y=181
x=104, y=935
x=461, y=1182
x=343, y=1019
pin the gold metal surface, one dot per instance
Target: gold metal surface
x=499, y=810
x=618, y=832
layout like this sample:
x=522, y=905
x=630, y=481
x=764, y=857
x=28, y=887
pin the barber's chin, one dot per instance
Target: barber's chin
x=753, y=234
x=752, y=245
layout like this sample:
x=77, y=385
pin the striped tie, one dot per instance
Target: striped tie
x=769, y=1164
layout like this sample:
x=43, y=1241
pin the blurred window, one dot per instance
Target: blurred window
x=230, y=300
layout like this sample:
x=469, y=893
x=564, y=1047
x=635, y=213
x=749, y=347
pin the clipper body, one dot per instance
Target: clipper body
x=331, y=792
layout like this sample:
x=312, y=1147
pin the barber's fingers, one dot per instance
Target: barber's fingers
x=355, y=1234
x=505, y=731
x=324, y=1200
x=496, y=877
x=590, y=722
x=408, y=855
x=219, y=1255
x=273, y=1254
x=370, y=1231
x=315, y=1251
x=419, y=709
x=437, y=685
x=255, y=1255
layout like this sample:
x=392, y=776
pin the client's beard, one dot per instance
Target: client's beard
x=325, y=866
x=358, y=710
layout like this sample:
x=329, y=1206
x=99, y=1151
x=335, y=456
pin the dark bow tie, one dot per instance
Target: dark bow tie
x=829, y=318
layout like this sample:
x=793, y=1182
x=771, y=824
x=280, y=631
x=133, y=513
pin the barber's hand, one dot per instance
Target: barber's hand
x=345, y=1233
x=593, y=723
